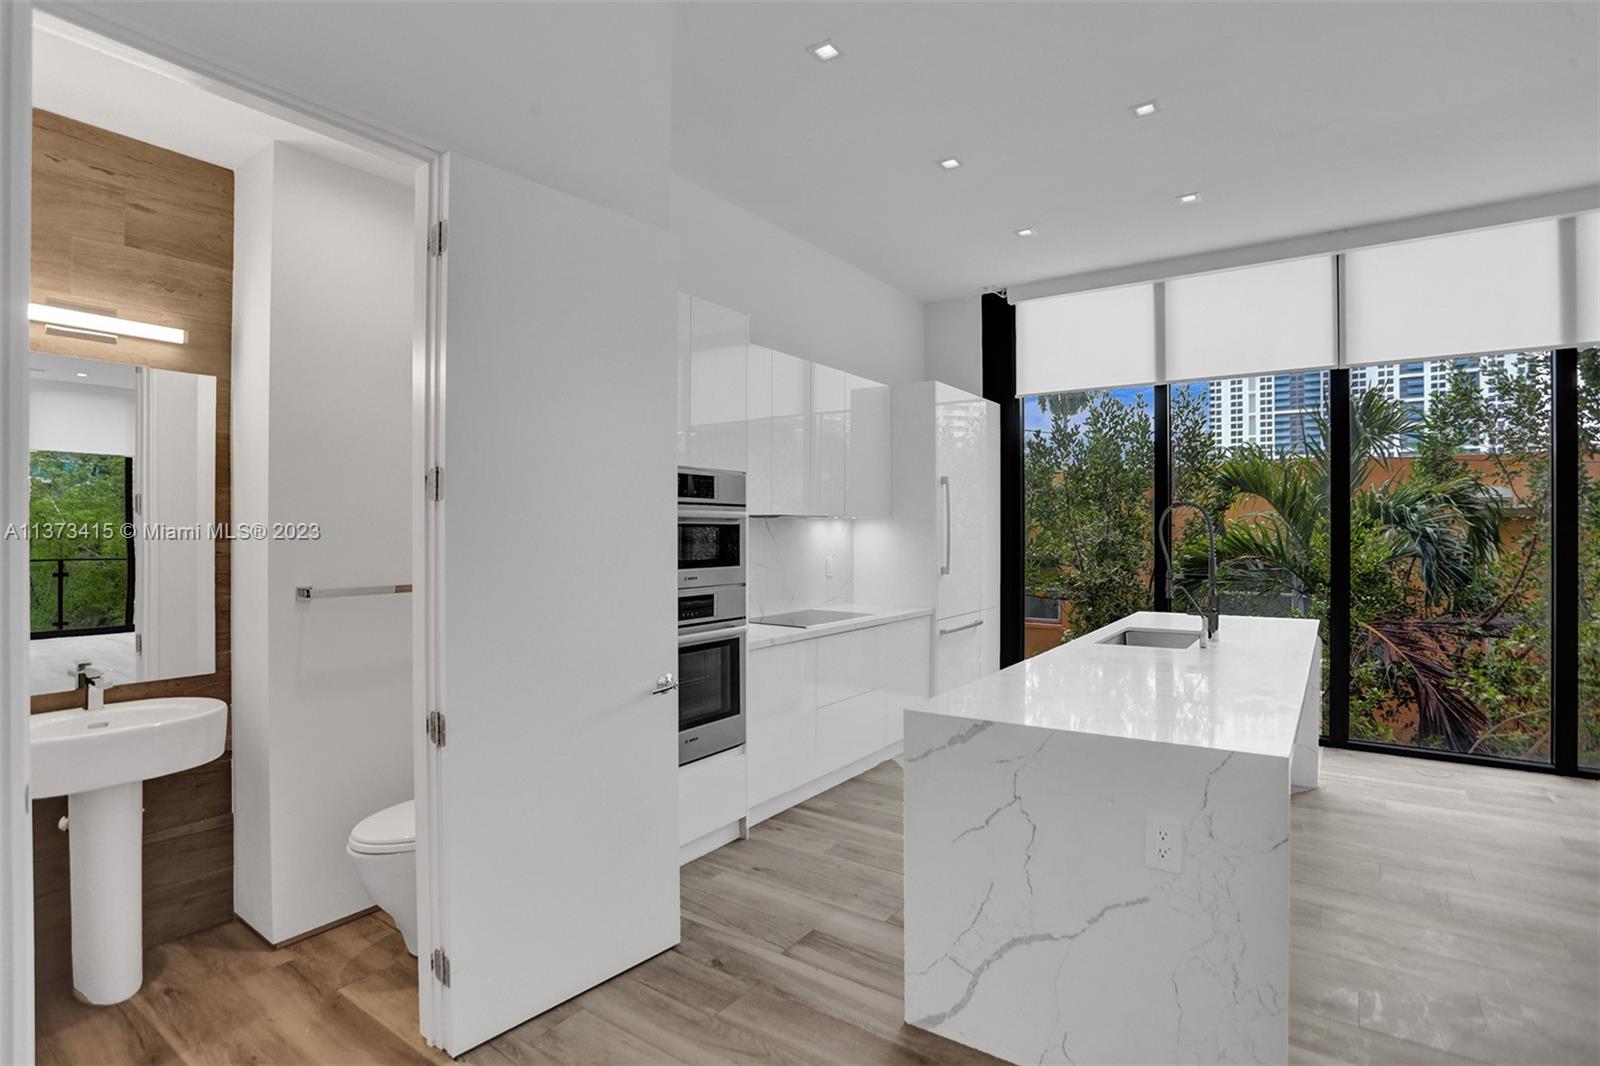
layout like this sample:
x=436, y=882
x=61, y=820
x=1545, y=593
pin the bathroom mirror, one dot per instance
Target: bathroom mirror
x=122, y=501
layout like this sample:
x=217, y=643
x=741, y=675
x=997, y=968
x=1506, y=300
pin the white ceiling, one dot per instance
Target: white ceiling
x=1289, y=119
x=76, y=75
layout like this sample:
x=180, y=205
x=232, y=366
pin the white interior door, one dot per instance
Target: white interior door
x=555, y=799
x=16, y=846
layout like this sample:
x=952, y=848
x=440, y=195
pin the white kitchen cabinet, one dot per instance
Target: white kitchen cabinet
x=904, y=649
x=685, y=350
x=758, y=428
x=960, y=452
x=829, y=416
x=711, y=387
x=958, y=650
x=820, y=706
x=849, y=730
x=711, y=795
x=790, y=488
x=847, y=664
x=867, y=442
x=940, y=546
x=781, y=718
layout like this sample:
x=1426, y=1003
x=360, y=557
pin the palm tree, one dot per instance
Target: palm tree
x=1443, y=530
x=1436, y=532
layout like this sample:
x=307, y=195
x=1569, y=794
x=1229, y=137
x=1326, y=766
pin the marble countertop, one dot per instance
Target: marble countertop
x=873, y=614
x=1244, y=693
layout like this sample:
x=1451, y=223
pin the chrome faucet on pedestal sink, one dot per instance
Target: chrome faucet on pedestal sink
x=1211, y=612
x=89, y=680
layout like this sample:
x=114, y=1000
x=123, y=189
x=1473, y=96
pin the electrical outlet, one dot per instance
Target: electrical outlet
x=1163, y=844
x=827, y=566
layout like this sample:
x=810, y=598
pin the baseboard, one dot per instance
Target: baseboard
x=778, y=804
x=710, y=842
x=309, y=933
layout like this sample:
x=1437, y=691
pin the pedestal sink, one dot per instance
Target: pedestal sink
x=100, y=760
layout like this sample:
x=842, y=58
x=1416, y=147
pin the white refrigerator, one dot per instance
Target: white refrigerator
x=940, y=546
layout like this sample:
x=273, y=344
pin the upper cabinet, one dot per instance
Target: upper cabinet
x=712, y=392
x=867, y=432
x=829, y=415
x=790, y=489
x=813, y=439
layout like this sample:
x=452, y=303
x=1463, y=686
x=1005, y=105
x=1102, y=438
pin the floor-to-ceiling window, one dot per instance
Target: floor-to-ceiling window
x=1450, y=555
x=1251, y=451
x=1588, y=511
x=1088, y=469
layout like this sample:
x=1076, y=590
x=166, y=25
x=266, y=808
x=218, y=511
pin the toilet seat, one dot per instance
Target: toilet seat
x=391, y=831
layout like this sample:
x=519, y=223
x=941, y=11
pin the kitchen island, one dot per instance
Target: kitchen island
x=1096, y=845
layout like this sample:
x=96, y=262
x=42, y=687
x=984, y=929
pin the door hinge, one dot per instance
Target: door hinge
x=433, y=483
x=439, y=963
x=138, y=502
x=438, y=237
x=435, y=728
x=138, y=644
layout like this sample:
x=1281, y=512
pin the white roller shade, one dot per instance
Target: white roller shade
x=1484, y=291
x=1586, y=291
x=1086, y=340
x=1255, y=320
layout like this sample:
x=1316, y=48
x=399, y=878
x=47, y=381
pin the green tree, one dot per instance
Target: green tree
x=1087, y=483
x=77, y=504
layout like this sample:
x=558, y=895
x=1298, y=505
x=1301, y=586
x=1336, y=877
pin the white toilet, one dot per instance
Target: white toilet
x=383, y=847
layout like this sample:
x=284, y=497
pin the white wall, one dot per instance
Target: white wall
x=86, y=419
x=800, y=299
x=322, y=433
x=954, y=334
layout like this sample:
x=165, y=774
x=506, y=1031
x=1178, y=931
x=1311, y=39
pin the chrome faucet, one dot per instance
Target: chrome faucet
x=89, y=678
x=1210, y=612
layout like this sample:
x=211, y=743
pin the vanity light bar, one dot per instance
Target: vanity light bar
x=84, y=320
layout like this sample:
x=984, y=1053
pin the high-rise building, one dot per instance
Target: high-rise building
x=1277, y=411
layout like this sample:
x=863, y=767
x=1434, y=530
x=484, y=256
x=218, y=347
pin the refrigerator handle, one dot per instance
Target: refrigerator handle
x=948, y=532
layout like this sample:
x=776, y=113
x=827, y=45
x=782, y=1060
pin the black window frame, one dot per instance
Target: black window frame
x=999, y=334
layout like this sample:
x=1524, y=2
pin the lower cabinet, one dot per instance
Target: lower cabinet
x=958, y=655
x=817, y=706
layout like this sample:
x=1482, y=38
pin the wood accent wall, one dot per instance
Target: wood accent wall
x=143, y=233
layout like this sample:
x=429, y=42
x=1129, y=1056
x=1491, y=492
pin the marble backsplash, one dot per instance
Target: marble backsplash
x=787, y=569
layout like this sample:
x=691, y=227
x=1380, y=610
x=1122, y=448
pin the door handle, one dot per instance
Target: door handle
x=665, y=683
x=949, y=534
x=958, y=629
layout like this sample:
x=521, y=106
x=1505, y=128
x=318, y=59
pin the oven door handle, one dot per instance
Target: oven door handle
x=664, y=684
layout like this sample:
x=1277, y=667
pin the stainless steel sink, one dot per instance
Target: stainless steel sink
x=1152, y=638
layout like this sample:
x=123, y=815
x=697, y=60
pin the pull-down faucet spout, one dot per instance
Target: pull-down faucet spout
x=1210, y=612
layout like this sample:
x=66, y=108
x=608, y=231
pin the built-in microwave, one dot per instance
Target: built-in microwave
x=710, y=692
x=700, y=487
x=710, y=547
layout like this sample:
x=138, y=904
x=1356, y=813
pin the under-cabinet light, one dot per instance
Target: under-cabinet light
x=950, y=164
x=1026, y=232
x=67, y=318
x=1189, y=198
x=1145, y=110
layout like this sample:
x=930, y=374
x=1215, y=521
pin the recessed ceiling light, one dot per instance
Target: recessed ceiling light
x=950, y=164
x=825, y=51
x=1026, y=232
x=1146, y=109
x=81, y=374
x=1189, y=198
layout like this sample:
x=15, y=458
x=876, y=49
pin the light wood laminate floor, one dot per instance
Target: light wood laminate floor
x=1440, y=914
